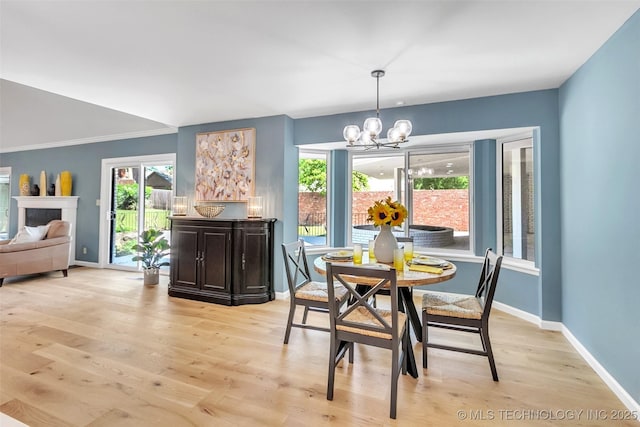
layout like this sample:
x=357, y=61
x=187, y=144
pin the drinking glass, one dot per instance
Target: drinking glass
x=408, y=251
x=357, y=253
x=398, y=259
x=372, y=255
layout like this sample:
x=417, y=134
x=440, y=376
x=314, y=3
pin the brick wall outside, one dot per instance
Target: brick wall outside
x=448, y=208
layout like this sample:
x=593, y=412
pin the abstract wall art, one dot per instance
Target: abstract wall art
x=225, y=165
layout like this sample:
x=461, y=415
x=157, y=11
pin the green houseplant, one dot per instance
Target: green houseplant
x=151, y=249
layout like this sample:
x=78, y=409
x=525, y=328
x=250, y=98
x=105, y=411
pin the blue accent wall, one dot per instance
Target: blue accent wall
x=275, y=180
x=537, y=109
x=600, y=226
x=85, y=164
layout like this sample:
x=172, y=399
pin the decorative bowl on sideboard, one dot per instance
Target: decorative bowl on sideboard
x=208, y=209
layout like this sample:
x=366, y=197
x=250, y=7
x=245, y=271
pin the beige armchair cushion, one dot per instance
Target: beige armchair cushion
x=58, y=228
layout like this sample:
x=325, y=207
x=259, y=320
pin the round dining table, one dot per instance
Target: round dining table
x=405, y=279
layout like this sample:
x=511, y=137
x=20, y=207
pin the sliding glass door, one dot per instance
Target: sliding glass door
x=139, y=195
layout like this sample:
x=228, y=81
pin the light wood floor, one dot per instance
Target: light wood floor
x=101, y=349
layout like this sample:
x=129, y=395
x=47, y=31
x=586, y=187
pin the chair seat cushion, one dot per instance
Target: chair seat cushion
x=453, y=305
x=317, y=291
x=365, y=317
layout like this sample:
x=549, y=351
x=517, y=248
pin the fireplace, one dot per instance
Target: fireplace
x=37, y=210
x=37, y=216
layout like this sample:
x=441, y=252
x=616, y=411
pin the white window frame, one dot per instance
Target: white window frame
x=517, y=264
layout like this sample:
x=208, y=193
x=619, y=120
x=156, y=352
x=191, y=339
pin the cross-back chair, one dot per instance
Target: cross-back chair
x=303, y=291
x=360, y=322
x=467, y=313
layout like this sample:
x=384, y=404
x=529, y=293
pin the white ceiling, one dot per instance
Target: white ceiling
x=173, y=63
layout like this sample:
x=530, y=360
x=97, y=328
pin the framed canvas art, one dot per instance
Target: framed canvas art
x=225, y=165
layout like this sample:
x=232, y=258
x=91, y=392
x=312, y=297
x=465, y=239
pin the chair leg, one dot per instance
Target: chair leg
x=292, y=312
x=1, y=280
x=484, y=333
x=351, y=351
x=65, y=272
x=395, y=373
x=333, y=348
x=304, y=316
x=406, y=348
x=425, y=339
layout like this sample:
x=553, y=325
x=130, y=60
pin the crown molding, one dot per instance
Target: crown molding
x=91, y=140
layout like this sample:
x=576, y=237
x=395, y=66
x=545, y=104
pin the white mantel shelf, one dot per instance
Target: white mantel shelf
x=68, y=206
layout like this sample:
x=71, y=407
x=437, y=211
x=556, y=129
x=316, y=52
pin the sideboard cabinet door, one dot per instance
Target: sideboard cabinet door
x=253, y=272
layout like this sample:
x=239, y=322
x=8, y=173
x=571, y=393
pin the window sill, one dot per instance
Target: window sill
x=526, y=267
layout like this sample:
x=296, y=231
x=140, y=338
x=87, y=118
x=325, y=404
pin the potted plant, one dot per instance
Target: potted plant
x=152, y=248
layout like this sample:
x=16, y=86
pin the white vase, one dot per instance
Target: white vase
x=385, y=244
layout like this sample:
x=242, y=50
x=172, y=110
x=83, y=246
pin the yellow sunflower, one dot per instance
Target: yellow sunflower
x=387, y=212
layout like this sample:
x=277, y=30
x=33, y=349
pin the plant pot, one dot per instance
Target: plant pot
x=385, y=244
x=151, y=276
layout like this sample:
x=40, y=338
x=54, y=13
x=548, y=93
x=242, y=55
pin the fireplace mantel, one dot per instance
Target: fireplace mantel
x=68, y=206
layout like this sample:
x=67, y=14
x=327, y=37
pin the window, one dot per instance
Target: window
x=439, y=187
x=517, y=226
x=435, y=189
x=312, y=197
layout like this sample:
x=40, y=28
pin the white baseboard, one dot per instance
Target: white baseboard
x=611, y=382
x=86, y=264
x=608, y=379
x=282, y=295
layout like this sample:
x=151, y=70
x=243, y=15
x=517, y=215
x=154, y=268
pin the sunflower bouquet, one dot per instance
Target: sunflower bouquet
x=387, y=212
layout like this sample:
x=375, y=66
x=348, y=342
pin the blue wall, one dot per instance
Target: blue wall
x=600, y=133
x=531, y=109
x=276, y=176
x=85, y=164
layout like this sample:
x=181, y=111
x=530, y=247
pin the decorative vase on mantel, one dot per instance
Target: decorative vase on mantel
x=385, y=244
x=65, y=183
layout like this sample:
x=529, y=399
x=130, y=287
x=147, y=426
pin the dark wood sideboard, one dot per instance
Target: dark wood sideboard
x=224, y=261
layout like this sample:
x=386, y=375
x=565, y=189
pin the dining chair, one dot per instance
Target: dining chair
x=359, y=322
x=386, y=291
x=303, y=291
x=466, y=313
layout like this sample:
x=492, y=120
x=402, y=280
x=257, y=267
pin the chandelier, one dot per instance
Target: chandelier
x=372, y=127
